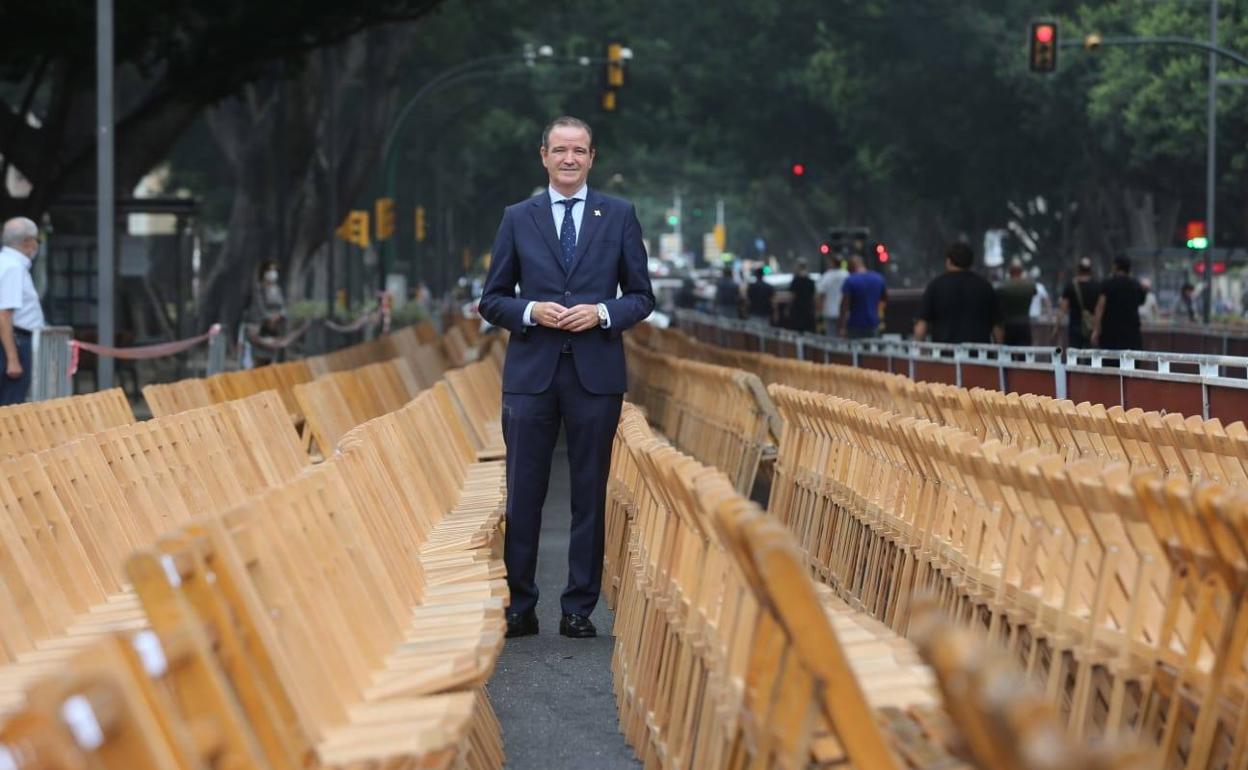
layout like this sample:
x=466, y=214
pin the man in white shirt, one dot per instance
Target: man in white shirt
x=830, y=290
x=20, y=311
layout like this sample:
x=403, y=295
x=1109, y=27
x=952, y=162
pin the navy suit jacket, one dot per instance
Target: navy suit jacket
x=609, y=256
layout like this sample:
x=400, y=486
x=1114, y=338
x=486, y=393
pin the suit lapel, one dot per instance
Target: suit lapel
x=590, y=226
x=545, y=224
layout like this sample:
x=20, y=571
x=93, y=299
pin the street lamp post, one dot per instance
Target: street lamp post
x=105, y=190
x=465, y=71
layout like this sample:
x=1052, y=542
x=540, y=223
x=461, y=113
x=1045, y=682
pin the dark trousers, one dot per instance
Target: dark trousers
x=13, y=391
x=531, y=429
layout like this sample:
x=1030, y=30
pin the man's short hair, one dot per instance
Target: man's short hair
x=17, y=230
x=960, y=255
x=1085, y=266
x=1122, y=264
x=567, y=121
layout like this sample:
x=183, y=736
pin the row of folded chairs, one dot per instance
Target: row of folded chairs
x=191, y=591
x=1121, y=590
x=416, y=354
x=729, y=655
x=720, y=415
x=1176, y=445
x=1103, y=549
x=38, y=425
x=417, y=345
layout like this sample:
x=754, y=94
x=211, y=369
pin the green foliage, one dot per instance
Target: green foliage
x=410, y=313
x=306, y=310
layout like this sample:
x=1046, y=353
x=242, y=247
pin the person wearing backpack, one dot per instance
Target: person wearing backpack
x=1078, y=303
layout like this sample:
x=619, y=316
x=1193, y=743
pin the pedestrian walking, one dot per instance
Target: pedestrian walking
x=1014, y=297
x=830, y=285
x=1150, y=311
x=1117, y=322
x=21, y=315
x=727, y=295
x=802, y=302
x=761, y=298
x=959, y=305
x=1078, y=304
x=863, y=297
x=577, y=259
x=1185, y=308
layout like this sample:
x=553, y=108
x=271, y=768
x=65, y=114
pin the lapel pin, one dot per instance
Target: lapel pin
x=597, y=212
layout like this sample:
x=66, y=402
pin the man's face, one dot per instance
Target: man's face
x=568, y=158
x=29, y=247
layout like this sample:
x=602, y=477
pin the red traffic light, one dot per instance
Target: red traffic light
x=825, y=248
x=881, y=253
x=799, y=169
x=1219, y=268
x=1043, y=54
x=1195, y=229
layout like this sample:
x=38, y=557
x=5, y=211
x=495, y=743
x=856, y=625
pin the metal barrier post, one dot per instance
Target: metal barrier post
x=50, y=356
x=216, y=354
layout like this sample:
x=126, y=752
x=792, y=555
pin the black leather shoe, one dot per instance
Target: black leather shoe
x=577, y=626
x=521, y=624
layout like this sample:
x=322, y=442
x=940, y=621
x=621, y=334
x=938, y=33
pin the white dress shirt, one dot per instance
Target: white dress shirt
x=17, y=290
x=557, y=214
x=830, y=286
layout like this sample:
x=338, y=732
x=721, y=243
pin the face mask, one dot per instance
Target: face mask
x=270, y=276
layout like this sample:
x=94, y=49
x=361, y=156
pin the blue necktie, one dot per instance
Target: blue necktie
x=567, y=232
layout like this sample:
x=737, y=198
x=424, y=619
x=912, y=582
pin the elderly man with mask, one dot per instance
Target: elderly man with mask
x=20, y=312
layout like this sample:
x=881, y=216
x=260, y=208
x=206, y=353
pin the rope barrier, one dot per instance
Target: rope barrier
x=159, y=350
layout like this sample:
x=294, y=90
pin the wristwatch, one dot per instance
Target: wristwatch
x=602, y=314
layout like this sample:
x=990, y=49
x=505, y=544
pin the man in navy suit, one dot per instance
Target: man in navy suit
x=568, y=275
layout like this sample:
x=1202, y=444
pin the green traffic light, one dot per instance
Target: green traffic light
x=1198, y=243
x=673, y=220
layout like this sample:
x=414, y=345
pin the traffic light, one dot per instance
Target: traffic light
x=1197, y=235
x=825, y=248
x=383, y=209
x=420, y=224
x=848, y=241
x=1043, y=55
x=798, y=169
x=354, y=229
x=617, y=54
x=673, y=219
x=615, y=66
x=881, y=253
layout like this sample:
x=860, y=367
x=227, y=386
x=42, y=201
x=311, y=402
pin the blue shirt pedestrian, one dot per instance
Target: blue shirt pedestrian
x=863, y=292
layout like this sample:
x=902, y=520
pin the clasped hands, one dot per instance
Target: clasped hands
x=577, y=318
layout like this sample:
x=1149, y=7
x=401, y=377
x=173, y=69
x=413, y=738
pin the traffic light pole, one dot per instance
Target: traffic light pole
x=468, y=70
x=1211, y=161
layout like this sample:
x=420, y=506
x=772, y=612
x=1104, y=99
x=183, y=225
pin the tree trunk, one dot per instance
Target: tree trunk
x=247, y=128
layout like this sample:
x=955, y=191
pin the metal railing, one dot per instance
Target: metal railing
x=1209, y=373
x=50, y=358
